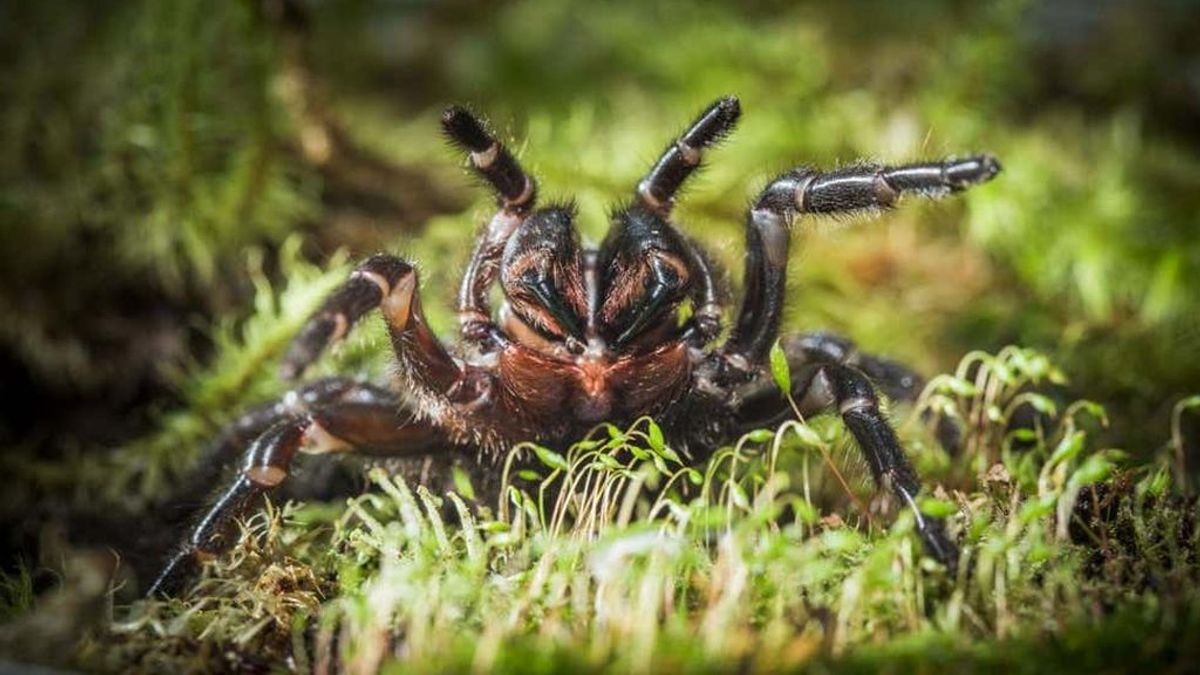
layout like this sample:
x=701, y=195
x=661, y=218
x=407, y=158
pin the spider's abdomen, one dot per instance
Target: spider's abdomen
x=561, y=396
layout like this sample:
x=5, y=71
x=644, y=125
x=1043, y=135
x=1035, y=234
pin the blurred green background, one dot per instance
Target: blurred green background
x=156, y=155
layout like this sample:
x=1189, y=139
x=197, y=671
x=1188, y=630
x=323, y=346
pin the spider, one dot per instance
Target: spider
x=587, y=335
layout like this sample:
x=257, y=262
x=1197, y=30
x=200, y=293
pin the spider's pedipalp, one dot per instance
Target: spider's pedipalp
x=515, y=189
x=680, y=159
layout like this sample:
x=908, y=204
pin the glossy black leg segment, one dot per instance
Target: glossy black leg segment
x=515, y=190
x=363, y=419
x=819, y=387
x=768, y=229
x=233, y=438
x=851, y=392
x=658, y=189
x=870, y=187
x=267, y=461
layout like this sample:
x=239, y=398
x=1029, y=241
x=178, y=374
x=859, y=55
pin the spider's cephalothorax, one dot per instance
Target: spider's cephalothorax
x=585, y=336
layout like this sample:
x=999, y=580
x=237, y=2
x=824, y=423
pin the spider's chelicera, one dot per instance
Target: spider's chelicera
x=590, y=335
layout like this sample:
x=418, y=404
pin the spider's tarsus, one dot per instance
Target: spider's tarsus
x=972, y=170
x=714, y=123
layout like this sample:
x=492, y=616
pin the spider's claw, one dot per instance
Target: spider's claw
x=182, y=566
x=938, y=543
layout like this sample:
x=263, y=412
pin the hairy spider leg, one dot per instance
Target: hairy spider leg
x=823, y=387
x=389, y=283
x=516, y=193
x=372, y=422
x=805, y=190
x=490, y=159
x=340, y=311
x=362, y=419
x=232, y=439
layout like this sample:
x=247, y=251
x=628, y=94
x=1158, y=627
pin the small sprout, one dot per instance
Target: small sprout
x=462, y=483
x=807, y=436
x=760, y=435
x=780, y=370
x=937, y=508
x=550, y=458
x=654, y=436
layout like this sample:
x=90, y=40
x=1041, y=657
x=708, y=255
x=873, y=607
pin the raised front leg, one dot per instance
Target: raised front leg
x=804, y=190
x=351, y=417
x=369, y=285
x=657, y=192
x=389, y=283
